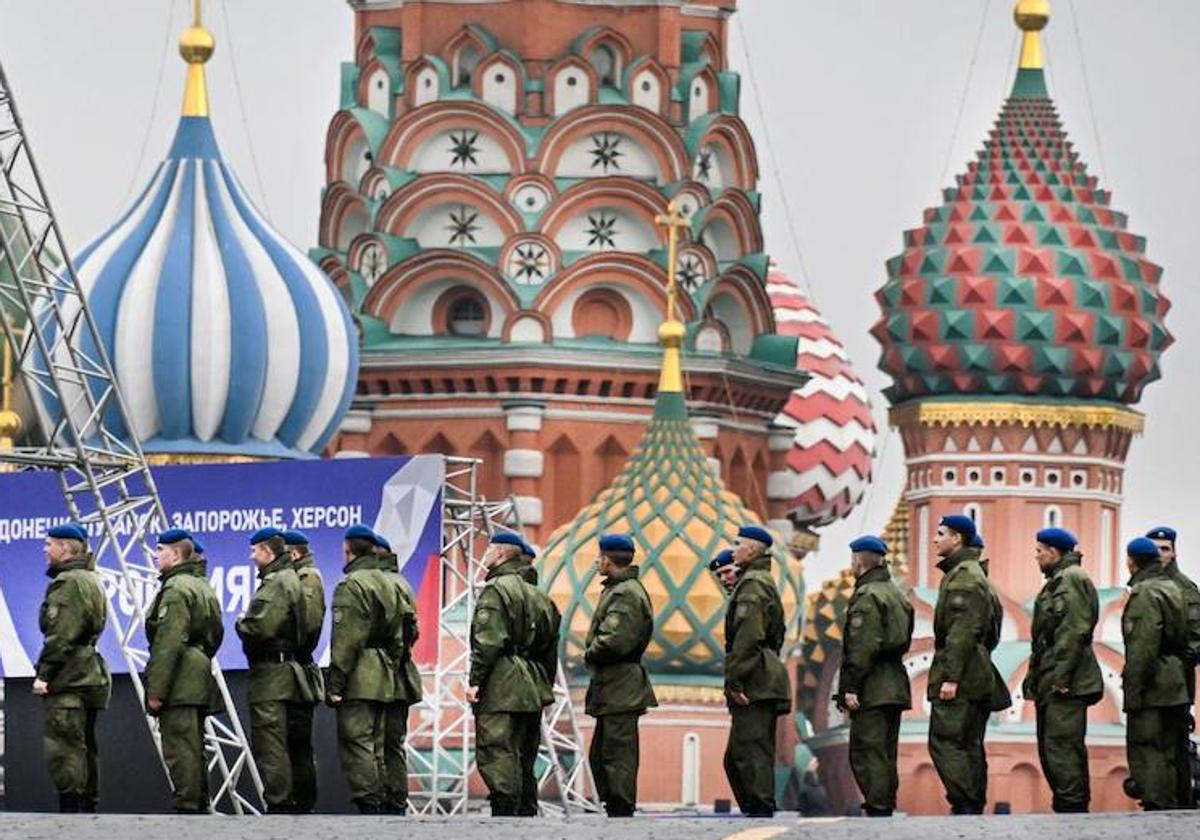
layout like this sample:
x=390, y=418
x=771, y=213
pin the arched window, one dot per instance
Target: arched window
x=603, y=313
x=462, y=312
x=465, y=62
x=974, y=511
x=1052, y=517
x=607, y=65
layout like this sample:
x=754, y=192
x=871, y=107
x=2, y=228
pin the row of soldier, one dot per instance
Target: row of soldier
x=1161, y=632
x=372, y=680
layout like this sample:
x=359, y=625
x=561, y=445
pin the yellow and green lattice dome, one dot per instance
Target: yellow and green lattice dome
x=680, y=515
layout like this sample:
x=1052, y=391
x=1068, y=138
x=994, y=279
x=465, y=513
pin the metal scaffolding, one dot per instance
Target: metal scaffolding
x=441, y=745
x=65, y=370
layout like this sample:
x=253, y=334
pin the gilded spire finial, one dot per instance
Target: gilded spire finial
x=196, y=45
x=1031, y=17
x=672, y=331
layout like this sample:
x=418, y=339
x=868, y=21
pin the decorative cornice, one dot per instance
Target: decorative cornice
x=1016, y=414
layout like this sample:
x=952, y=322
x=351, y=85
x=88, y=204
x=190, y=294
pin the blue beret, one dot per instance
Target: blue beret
x=529, y=551
x=1162, y=532
x=197, y=546
x=507, y=538
x=977, y=541
x=295, y=538
x=1061, y=539
x=871, y=544
x=964, y=525
x=381, y=541
x=1141, y=547
x=359, y=532
x=264, y=534
x=617, y=542
x=756, y=532
x=68, y=531
x=721, y=560
x=173, y=535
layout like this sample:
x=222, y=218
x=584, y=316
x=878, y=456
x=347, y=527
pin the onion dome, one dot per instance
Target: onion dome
x=680, y=515
x=226, y=339
x=1025, y=281
x=829, y=466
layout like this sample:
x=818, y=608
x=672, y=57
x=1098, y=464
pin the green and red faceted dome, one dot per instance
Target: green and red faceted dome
x=1025, y=281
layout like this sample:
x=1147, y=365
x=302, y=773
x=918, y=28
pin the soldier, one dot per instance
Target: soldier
x=873, y=686
x=1063, y=677
x=544, y=654
x=1001, y=698
x=962, y=677
x=505, y=686
x=1165, y=539
x=725, y=569
x=272, y=633
x=1154, y=627
x=756, y=682
x=184, y=627
x=300, y=724
x=361, y=682
x=407, y=686
x=619, y=691
x=71, y=675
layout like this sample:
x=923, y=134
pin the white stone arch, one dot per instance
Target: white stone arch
x=606, y=228
x=721, y=239
x=427, y=86
x=460, y=150
x=699, y=98
x=354, y=222
x=500, y=85
x=572, y=89
x=645, y=90
x=601, y=154
x=454, y=225
x=356, y=159
x=379, y=92
x=727, y=309
x=646, y=315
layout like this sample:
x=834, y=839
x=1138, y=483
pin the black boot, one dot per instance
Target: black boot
x=877, y=812
x=366, y=806
x=398, y=809
x=70, y=803
x=502, y=808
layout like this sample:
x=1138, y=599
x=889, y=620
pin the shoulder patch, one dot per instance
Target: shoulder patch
x=52, y=612
x=856, y=620
x=337, y=615
x=162, y=612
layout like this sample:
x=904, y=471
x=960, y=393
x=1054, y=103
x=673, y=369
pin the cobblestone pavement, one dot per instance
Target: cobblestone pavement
x=116, y=827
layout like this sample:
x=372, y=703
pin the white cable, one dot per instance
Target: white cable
x=237, y=84
x=1087, y=90
x=962, y=99
x=162, y=68
x=779, y=188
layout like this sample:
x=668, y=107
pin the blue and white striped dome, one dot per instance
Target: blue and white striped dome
x=226, y=339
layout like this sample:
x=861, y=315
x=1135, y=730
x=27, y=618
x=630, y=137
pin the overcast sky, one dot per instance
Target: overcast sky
x=854, y=106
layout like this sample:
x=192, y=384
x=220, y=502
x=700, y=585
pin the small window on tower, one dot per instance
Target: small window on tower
x=466, y=315
x=605, y=62
x=465, y=63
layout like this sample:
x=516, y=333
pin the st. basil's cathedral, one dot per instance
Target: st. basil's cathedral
x=491, y=280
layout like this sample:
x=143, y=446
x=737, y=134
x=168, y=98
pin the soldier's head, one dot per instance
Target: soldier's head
x=173, y=547
x=1141, y=553
x=1052, y=544
x=752, y=542
x=1163, y=537
x=954, y=532
x=65, y=542
x=725, y=569
x=297, y=543
x=866, y=553
x=358, y=541
x=502, y=547
x=265, y=545
x=616, y=552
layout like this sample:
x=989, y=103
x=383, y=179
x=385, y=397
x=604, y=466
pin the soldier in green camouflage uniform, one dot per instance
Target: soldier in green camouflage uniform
x=543, y=652
x=1165, y=538
x=619, y=691
x=507, y=685
x=70, y=673
x=361, y=682
x=408, y=685
x=184, y=628
x=962, y=678
x=1064, y=676
x=300, y=724
x=1154, y=627
x=756, y=682
x=873, y=685
x=272, y=634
